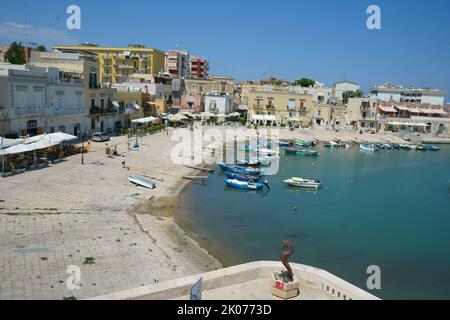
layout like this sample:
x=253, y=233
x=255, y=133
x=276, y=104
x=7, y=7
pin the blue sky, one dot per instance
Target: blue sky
x=326, y=40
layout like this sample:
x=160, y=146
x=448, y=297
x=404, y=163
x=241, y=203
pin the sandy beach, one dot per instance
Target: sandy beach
x=70, y=214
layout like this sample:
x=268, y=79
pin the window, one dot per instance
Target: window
x=32, y=124
x=92, y=124
x=102, y=103
x=60, y=102
x=62, y=129
x=93, y=102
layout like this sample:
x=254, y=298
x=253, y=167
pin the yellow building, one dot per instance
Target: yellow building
x=119, y=64
x=279, y=107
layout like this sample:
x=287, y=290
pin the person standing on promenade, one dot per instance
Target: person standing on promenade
x=123, y=161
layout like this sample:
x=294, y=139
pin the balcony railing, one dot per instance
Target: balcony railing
x=99, y=111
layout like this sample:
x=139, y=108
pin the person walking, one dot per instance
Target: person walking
x=123, y=161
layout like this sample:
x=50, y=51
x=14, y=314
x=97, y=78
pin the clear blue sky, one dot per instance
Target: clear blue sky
x=324, y=40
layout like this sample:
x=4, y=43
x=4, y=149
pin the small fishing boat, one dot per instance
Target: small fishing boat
x=248, y=162
x=142, y=181
x=243, y=177
x=309, y=153
x=406, y=147
x=240, y=170
x=284, y=144
x=246, y=185
x=291, y=150
x=368, y=147
x=334, y=143
x=268, y=152
x=386, y=146
x=429, y=147
x=396, y=146
x=303, y=143
x=271, y=157
x=303, y=183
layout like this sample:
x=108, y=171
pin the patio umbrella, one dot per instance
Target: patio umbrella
x=177, y=117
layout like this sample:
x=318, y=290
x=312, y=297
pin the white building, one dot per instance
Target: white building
x=320, y=93
x=36, y=100
x=396, y=93
x=344, y=86
x=219, y=104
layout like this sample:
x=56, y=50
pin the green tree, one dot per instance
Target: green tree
x=304, y=83
x=15, y=53
x=41, y=48
x=352, y=94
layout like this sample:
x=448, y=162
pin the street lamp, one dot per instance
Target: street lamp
x=82, y=147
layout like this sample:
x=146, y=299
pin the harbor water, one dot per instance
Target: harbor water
x=389, y=209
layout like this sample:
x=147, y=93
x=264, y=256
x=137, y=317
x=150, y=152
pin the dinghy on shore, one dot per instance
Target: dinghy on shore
x=142, y=181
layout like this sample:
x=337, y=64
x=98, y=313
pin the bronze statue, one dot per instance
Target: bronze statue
x=287, y=276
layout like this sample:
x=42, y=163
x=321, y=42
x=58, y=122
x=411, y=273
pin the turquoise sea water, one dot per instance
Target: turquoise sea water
x=390, y=209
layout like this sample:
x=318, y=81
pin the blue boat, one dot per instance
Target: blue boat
x=243, y=177
x=244, y=185
x=429, y=147
x=240, y=170
x=284, y=144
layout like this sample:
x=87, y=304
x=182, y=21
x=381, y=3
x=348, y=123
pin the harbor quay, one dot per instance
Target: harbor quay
x=90, y=217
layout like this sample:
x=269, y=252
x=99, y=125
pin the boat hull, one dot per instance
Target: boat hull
x=244, y=185
x=243, y=177
x=143, y=182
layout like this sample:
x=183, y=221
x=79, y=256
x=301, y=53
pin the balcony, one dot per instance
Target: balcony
x=270, y=107
x=100, y=111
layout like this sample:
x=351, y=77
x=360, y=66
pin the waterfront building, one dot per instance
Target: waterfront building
x=99, y=97
x=362, y=114
x=118, y=64
x=339, y=88
x=3, y=50
x=321, y=94
x=35, y=100
x=396, y=93
x=201, y=87
x=414, y=117
x=199, y=67
x=178, y=63
x=321, y=115
x=278, y=107
x=219, y=104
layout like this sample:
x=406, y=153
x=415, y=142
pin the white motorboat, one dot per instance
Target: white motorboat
x=303, y=183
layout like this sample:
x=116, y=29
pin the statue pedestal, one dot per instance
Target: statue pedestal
x=284, y=290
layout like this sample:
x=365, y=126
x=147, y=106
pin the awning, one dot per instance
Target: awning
x=57, y=137
x=406, y=124
x=402, y=108
x=115, y=104
x=388, y=109
x=415, y=110
x=434, y=111
x=5, y=143
x=259, y=117
x=21, y=148
x=145, y=120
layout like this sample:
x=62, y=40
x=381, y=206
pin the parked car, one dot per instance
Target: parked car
x=100, y=137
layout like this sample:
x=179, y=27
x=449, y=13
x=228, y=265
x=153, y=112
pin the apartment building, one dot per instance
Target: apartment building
x=362, y=114
x=178, y=63
x=397, y=93
x=99, y=97
x=280, y=107
x=119, y=64
x=339, y=88
x=35, y=100
x=199, y=67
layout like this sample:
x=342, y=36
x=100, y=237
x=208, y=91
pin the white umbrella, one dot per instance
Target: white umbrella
x=177, y=117
x=234, y=114
x=57, y=137
x=144, y=120
x=21, y=148
x=5, y=143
